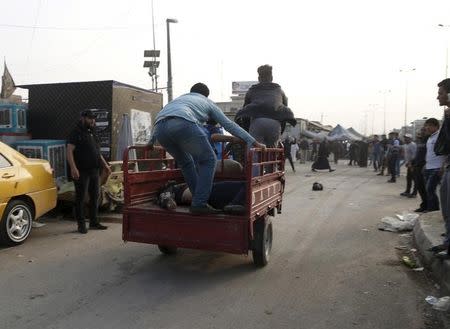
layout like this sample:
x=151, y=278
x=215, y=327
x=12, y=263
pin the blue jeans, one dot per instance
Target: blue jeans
x=432, y=179
x=188, y=143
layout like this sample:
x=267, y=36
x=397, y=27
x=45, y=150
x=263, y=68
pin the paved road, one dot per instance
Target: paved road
x=330, y=268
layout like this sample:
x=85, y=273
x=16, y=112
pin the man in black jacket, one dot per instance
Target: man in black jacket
x=442, y=147
x=418, y=164
x=265, y=110
x=86, y=161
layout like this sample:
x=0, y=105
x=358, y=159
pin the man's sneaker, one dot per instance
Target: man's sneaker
x=391, y=181
x=412, y=195
x=438, y=248
x=82, y=228
x=97, y=226
x=203, y=210
x=443, y=255
x=420, y=210
x=234, y=209
x=404, y=194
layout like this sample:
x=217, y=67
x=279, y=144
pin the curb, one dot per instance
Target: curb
x=427, y=233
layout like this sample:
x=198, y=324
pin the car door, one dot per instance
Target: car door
x=8, y=178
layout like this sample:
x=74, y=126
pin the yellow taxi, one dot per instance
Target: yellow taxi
x=27, y=191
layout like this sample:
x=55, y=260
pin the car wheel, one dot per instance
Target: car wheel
x=262, y=243
x=16, y=223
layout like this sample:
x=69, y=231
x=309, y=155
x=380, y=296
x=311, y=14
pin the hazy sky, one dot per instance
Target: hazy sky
x=331, y=57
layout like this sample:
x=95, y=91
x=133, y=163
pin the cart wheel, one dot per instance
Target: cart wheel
x=262, y=244
x=167, y=249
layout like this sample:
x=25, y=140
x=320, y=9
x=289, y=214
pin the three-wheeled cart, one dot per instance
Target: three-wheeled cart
x=144, y=221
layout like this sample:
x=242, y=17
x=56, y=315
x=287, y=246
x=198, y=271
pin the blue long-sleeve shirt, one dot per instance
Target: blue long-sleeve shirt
x=197, y=108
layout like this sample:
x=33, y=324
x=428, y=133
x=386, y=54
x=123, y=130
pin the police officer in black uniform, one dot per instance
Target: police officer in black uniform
x=86, y=161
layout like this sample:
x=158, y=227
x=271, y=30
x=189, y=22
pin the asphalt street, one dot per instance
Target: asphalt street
x=330, y=268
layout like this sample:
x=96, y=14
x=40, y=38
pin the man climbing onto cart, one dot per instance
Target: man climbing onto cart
x=178, y=128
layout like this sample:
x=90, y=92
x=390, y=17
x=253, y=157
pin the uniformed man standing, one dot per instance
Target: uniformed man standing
x=86, y=161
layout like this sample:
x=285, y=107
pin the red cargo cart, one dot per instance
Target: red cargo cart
x=144, y=221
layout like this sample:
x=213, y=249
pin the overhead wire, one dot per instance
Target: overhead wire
x=62, y=28
x=30, y=48
x=79, y=53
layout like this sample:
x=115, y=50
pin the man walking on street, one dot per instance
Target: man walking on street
x=410, y=149
x=376, y=153
x=392, y=156
x=304, y=147
x=287, y=151
x=433, y=165
x=86, y=161
x=383, y=161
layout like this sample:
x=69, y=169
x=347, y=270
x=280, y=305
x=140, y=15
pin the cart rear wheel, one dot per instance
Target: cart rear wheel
x=262, y=243
x=167, y=249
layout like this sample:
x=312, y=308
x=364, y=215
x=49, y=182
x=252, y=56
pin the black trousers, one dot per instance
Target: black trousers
x=410, y=180
x=289, y=157
x=419, y=180
x=88, y=183
x=392, y=162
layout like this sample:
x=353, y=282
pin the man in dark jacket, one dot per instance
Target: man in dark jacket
x=265, y=110
x=304, y=147
x=353, y=153
x=418, y=164
x=442, y=147
x=287, y=151
x=86, y=161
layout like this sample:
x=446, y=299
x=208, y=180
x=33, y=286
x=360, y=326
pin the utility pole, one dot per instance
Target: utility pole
x=169, y=62
x=407, y=71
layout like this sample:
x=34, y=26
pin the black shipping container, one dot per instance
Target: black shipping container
x=55, y=108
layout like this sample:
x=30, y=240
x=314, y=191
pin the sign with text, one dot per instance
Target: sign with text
x=241, y=87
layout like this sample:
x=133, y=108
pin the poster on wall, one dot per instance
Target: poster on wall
x=141, y=125
x=103, y=129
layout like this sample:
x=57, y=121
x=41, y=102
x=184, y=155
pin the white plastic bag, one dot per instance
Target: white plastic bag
x=440, y=304
x=403, y=222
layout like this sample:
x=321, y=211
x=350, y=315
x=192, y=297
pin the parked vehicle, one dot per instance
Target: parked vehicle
x=27, y=191
x=144, y=221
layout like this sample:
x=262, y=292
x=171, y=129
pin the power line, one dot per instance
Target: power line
x=61, y=28
x=32, y=37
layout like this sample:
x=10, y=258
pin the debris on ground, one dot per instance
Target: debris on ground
x=317, y=186
x=409, y=262
x=404, y=222
x=440, y=304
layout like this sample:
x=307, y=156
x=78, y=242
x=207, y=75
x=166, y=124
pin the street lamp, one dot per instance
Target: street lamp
x=374, y=108
x=446, y=51
x=406, y=92
x=384, y=92
x=169, y=63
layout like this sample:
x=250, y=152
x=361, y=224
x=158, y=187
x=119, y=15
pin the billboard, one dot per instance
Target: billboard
x=241, y=87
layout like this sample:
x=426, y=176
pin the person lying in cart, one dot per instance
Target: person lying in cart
x=226, y=195
x=178, y=128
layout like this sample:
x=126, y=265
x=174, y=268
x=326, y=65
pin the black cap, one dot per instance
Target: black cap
x=88, y=114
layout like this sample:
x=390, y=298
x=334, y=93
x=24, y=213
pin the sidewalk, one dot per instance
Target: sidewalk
x=427, y=233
